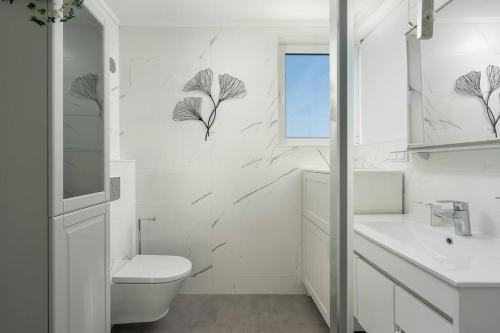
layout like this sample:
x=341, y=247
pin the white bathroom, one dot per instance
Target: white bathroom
x=250, y=166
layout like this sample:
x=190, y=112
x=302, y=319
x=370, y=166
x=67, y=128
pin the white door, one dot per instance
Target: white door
x=80, y=271
x=316, y=266
x=375, y=301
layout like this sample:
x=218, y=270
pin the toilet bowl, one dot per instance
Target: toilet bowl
x=143, y=288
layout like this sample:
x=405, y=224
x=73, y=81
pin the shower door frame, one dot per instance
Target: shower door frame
x=341, y=320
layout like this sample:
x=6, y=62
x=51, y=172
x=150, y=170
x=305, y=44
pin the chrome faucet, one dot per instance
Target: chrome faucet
x=460, y=216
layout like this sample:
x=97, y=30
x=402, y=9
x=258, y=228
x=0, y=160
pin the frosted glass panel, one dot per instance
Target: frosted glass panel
x=83, y=106
x=464, y=50
x=307, y=95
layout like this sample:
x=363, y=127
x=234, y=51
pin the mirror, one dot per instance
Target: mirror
x=83, y=105
x=454, y=78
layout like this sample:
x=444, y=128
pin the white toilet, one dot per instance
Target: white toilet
x=143, y=288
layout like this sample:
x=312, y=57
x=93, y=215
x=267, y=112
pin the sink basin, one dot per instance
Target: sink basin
x=460, y=261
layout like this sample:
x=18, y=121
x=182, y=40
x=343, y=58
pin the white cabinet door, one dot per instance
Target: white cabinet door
x=80, y=271
x=413, y=316
x=316, y=266
x=316, y=199
x=375, y=299
x=79, y=119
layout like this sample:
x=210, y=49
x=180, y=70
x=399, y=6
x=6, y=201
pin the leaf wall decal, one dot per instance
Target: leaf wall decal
x=188, y=109
x=202, y=81
x=231, y=87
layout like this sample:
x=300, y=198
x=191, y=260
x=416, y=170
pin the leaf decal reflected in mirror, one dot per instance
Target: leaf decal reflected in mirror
x=202, y=81
x=231, y=87
x=188, y=109
x=469, y=84
x=87, y=86
x=493, y=73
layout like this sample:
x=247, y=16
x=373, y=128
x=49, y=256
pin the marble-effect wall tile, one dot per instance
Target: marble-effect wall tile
x=232, y=205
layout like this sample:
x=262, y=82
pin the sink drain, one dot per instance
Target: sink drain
x=449, y=241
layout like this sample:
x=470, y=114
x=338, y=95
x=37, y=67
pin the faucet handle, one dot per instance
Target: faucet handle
x=458, y=205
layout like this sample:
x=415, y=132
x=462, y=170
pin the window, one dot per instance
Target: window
x=304, y=95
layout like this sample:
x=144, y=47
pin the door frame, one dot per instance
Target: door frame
x=341, y=320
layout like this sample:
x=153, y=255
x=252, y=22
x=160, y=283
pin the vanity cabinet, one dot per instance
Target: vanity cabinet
x=401, y=287
x=316, y=239
x=383, y=306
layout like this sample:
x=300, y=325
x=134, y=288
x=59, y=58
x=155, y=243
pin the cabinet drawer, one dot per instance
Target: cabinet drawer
x=375, y=299
x=413, y=316
x=316, y=199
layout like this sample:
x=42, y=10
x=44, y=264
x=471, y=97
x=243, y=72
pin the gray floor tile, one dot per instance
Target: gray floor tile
x=235, y=314
x=242, y=328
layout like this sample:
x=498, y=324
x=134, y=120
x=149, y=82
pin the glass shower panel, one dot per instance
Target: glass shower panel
x=83, y=106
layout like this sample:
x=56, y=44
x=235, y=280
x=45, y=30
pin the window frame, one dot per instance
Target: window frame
x=284, y=49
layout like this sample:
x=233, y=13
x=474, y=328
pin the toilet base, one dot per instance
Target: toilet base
x=140, y=303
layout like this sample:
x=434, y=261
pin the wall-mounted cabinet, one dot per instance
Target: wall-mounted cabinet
x=383, y=306
x=396, y=294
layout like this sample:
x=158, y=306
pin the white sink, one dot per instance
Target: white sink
x=460, y=261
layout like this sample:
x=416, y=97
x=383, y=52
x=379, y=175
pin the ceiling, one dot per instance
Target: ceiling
x=220, y=12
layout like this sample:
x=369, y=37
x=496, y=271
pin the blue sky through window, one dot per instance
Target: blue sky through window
x=307, y=95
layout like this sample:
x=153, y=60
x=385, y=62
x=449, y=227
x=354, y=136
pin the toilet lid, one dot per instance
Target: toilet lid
x=153, y=269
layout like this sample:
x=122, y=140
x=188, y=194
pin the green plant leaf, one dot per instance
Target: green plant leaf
x=37, y=21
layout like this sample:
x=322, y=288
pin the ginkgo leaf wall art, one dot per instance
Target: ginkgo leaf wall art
x=190, y=107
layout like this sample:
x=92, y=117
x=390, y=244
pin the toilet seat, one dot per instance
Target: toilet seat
x=151, y=269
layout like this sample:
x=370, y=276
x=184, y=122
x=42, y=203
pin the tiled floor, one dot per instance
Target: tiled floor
x=235, y=314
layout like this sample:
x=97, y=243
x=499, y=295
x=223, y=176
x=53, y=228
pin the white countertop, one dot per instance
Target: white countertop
x=469, y=262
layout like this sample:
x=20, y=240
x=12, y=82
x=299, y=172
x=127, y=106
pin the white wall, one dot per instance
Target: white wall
x=473, y=176
x=231, y=204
